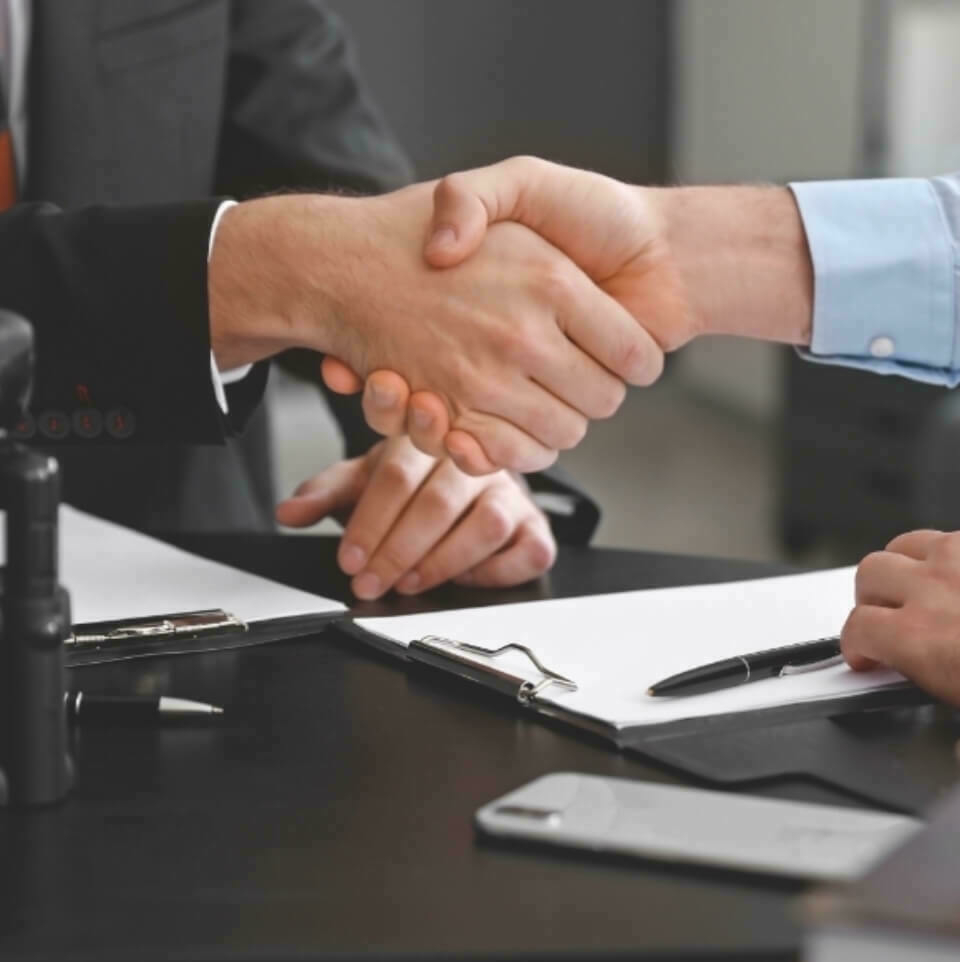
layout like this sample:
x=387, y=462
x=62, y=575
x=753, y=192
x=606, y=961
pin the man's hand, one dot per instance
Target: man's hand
x=907, y=613
x=683, y=262
x=518, y=345
x=412, y=522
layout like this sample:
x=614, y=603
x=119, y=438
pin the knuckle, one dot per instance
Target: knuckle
x=514, y=346
x=655, y=365
x=571, y=433
x=439, y=501
x=391, y=561
x=557, y=284
x=867, y=569
x=541, y=551
x=945, y=547
x=524, y=343
x=397, y=476
x=493, y=521
x=528, y=462
x=609, y=403
x=450, y=187
x=430, y=574
x=852, y=629
x=524, y=162
x=639, y=361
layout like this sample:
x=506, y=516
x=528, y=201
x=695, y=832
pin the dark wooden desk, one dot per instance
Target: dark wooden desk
x=330, y=814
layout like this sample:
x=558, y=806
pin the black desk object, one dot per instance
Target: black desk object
x=329, y=815
x=853, y=465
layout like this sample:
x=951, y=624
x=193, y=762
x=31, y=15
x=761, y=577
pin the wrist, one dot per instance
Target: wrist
x=266, y=281
x=743, y=259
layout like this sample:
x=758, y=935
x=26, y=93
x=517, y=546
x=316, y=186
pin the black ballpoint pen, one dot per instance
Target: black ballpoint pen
x=134, y=709
x=772, y=663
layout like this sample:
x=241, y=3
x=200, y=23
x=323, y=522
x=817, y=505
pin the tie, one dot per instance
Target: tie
x=8, y=168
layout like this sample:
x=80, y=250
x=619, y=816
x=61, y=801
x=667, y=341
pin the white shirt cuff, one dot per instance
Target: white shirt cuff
x=218, y=377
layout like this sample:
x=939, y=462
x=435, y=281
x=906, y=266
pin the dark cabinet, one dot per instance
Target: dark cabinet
x=863, y=458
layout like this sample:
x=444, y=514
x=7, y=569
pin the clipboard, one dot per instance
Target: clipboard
x=586, y=663
x=447, y=655
x=181, y=633
x=798, y=741
x=133, y=596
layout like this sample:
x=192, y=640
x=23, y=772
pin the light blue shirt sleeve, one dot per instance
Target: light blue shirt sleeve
x=885, y=262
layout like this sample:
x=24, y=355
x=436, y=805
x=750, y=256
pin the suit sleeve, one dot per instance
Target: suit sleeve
x=117, y=297
x=297, y=116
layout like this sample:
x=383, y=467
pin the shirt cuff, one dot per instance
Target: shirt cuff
x=884, y=265
x=222, y=378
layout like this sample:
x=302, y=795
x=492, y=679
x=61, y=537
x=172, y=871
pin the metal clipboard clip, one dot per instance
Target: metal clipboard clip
x=157, y=629
x=447, y=654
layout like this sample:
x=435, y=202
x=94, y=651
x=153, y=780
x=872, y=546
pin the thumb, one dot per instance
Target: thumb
x=338, y=377
x=466, y=203
x=327, y=493
x=459, y=223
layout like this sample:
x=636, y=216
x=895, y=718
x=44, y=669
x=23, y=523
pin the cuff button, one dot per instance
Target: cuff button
x=87, y=423
x=882, y=347
x=120, y=423
x=54, y=425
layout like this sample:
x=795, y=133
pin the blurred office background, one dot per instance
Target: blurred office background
x=741, y=450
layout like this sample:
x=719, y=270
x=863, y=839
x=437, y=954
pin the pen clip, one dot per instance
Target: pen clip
x=157, y=628
x=787, y=670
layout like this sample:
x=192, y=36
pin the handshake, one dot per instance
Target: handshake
x=491, y=315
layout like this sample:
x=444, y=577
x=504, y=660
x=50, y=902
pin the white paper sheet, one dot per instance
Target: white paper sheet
x=615, y=646
x=112, y=573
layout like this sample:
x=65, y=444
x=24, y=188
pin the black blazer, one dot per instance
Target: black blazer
x=142, y=114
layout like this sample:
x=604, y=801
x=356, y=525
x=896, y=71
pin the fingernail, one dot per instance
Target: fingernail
x=352, y=558
x=444, y=236
x=367, y=586
x=381, y=398
x=422, y=419
x=409, y=583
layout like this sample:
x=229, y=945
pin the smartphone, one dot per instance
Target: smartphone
x=679, y=824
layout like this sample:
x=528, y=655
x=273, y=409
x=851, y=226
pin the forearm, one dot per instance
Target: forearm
x=279, y=275
x=743, y=259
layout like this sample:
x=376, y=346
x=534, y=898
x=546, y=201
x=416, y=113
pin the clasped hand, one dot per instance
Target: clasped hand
x=413, y=521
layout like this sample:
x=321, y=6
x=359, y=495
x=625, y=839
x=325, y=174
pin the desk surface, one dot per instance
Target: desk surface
x=329, y=815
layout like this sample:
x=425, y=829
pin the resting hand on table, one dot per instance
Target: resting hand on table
x=413, y=522
x=907, y=613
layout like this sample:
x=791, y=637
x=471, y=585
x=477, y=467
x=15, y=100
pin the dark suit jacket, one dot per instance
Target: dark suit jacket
x=143, y=114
